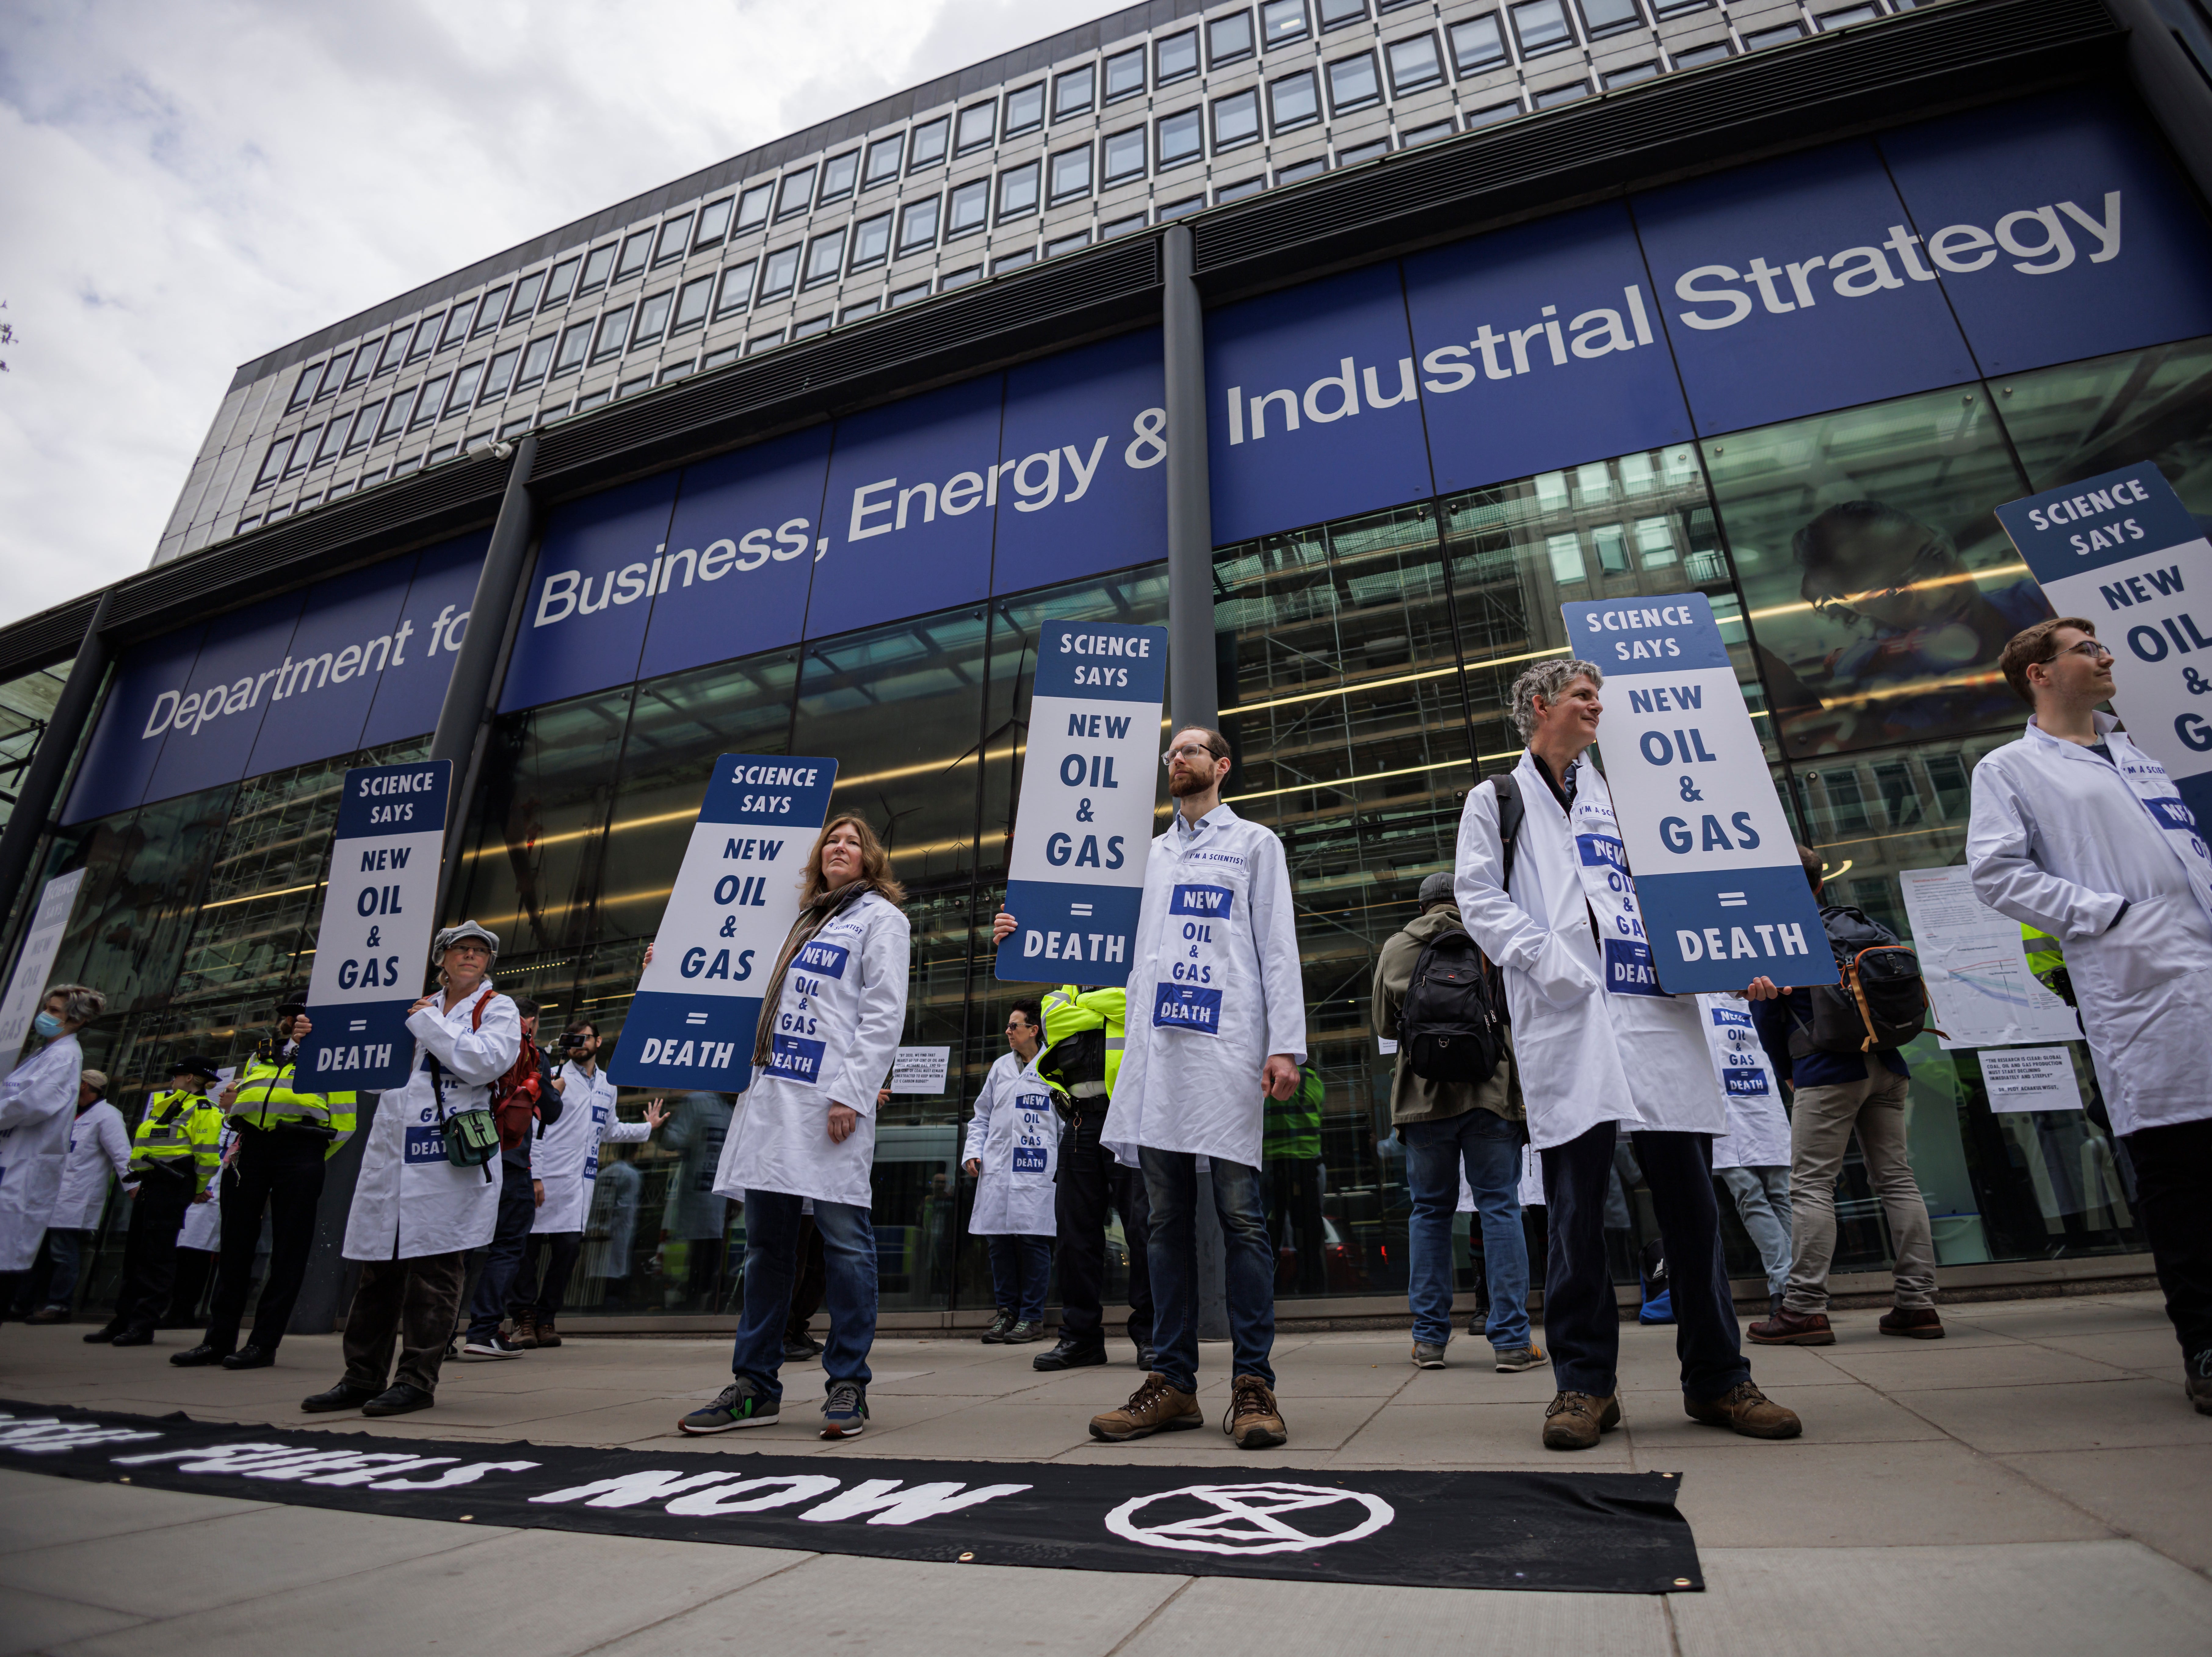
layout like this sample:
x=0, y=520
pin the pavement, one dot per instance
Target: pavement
x=2035, y=1482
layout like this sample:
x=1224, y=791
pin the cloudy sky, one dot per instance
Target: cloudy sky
x=188, y=185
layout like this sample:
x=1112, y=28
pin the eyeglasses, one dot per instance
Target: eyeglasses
x=1197, y=752
x=2088, y=649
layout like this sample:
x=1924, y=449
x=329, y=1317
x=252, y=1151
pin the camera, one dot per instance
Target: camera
x=575, y=1041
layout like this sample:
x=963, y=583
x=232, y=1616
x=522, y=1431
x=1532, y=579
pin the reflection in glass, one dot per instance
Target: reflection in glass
x=1880, y=586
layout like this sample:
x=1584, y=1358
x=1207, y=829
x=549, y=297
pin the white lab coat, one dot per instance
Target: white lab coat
x=38, y=1104
x=408, y=1200
x=2058, y=839
x=1758, y=1132
x=98, y=1144
x=1016, y=1136
x=1181, y=1088
x=845, y=1021
x=1585, y=1055
x=202, y=1227
x=565, y=1157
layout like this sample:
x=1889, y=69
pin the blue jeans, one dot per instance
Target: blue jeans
x=1020, y=1268
x=1171, y=1187
x=66, y=1249
x=848, y=1259
x=1489, y=1148
x=518, y=1212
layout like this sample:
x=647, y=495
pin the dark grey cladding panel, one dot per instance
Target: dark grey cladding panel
x=753, y=164
x=1812, y=92
x=1034, y=314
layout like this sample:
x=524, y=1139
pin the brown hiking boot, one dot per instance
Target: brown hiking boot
x=1918, y=1323
x=1744, y=1409
x=1253, y=1421
x=1154, y=1407
x=525, y=1330
x=547, y=1335
x=1573, y=1420
x=1788, y=1328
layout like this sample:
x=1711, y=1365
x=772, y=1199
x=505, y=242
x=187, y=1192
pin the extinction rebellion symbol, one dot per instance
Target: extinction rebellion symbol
x=1249, y=1519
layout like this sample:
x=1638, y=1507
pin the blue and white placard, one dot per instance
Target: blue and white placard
x=2122, y=550
x=1085, y=820
x=373, y=949
x=692, y=1021
x=1725, y=898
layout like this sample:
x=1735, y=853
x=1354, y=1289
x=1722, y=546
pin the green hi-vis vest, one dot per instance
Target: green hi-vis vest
x=266, y=1099
x=178, y=1134
x=1291, y=1130
x=1071, y=1009
x=2044, y=953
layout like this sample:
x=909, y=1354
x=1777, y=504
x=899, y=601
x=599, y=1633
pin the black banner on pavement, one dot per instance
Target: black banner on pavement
x=1578, y=1532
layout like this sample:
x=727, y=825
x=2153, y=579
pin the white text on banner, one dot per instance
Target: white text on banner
x=1722, y=894
x=373, y=948
x=691, y=1023
x=1086, y=819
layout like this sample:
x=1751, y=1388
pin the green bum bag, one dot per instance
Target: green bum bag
x=472, y=1137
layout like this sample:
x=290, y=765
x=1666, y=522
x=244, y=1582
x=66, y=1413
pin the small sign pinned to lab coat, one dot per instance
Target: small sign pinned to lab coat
x=2031, y=1079
x=920, y=1070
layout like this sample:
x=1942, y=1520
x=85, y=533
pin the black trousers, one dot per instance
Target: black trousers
x=518, y=1210
x=1582, y=1318
x=1088, y=1179
x=2173, y=1202
x=1293, y=1187
x=542, y=1298
x=278, y=1172
x=150, y=1249
x=407, y=1304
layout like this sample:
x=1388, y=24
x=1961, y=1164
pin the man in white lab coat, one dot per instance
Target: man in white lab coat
x=99, y=1155
x=1217, y=1023
x=1596, y=1048
x=2078, y=833
x=1011, y=1153
x=416, y=1214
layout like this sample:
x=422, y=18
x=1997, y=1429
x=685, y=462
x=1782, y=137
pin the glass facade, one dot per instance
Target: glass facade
x=1364, y=668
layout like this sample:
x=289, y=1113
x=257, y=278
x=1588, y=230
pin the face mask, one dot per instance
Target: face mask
x=47, y=1025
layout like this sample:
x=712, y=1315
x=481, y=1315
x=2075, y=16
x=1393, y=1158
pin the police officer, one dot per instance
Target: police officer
x=284, y=1136
x=172, y=1159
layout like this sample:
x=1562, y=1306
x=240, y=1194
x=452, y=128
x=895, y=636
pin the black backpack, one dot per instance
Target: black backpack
x=1881, y=1002
x=1451, y=1029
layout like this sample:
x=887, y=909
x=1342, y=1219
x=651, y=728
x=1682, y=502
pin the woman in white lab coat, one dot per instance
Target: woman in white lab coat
x=1597, y=1042
x=38, y=1106
x=806, y=1128
x=414, y=1214
x=99, y=1155
x=1012, y=1152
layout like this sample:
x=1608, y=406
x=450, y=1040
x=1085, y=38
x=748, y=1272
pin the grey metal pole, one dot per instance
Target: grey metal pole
x=327, y=1288
x=2169, y=78
x=42, y=782
x=1193, y=698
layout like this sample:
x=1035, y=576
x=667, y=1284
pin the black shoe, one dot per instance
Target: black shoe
x=399, y=1399
x=104, y=1336
x=199, y=1357
x=250, y=1357
x=1073, y=1352
x=996, y=1334
x=136, y=1335
x=799, y=1349
x=346, y=1395
x=1148, y=1358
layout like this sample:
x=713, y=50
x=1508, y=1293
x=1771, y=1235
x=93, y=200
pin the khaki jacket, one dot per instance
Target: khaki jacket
x=1414, y=1098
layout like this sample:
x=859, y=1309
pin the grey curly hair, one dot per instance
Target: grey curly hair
x=1546, y=680
x=81, y=1003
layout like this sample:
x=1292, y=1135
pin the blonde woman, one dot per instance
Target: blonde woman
x=806, y=1128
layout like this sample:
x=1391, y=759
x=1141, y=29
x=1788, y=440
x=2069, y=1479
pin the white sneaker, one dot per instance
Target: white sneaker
x=498, y=1346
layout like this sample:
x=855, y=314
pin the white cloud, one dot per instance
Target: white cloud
x=187, y=187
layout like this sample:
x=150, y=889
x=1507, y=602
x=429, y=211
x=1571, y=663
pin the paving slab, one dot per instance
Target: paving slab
x=2126, y=1411
x=851, y=1604
x=1928, y=1364
x=42, y=1622
x=2161, y=1497
x=2115, y=1599
x=1473, y=1435
x=38, y=1511
x=1837, y=1412
x=1231, y=1617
